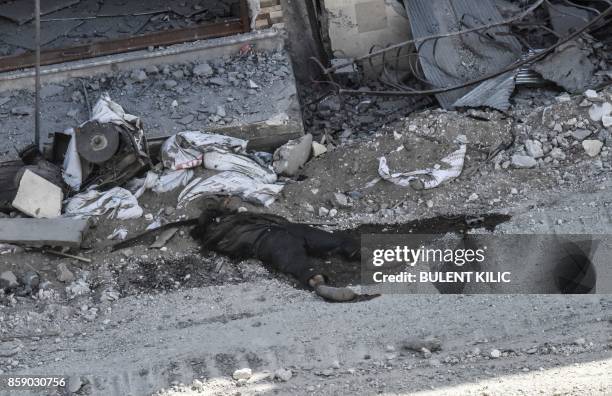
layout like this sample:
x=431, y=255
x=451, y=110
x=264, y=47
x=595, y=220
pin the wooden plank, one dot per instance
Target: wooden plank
x=43, y=232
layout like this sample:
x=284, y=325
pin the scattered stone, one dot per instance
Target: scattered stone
x=495, y=353
x=581, y=134
x=169, y=84
x=64, y=274
x=580, y=341
x=10, y=348
x=139, y=75
x=188, y=119
x=77, y=97
x=74, y=384
x=333, y=212
x=318, y=149
x=592, y=147
x=203, y=69
x=513, y=191
x=597, y=111
x=30, y=280
x=243, y=374
x=523, y=161
x=22, y=110
x=340, y=200
x=252, y=85
x=221, y=111
x=534, y=148
x=607, y=121
x=217, y=81
x=432, y=344
x=8, y=280
x=323, y=211
x=557, y=153
x=283, y=374
x=291, y=156
x=178, y=74
x=152, y=69
x=591, y=94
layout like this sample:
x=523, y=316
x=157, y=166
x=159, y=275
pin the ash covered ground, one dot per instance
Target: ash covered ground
x=178, y=320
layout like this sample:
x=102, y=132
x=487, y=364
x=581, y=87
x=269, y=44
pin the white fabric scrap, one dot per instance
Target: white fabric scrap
x=222, y=160
x=121, y=204
x=160, y=183
x=73, y=171
x=186, y=149
x=431, y=177
x=231, y=183
x=120, y=233
x=107, y=111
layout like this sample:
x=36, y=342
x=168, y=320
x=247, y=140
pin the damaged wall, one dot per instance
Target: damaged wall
x=355, y=26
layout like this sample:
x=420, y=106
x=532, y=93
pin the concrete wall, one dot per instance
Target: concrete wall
x=354, y=26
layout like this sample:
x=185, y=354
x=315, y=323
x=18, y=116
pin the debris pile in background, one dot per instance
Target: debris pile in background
x=472, y=53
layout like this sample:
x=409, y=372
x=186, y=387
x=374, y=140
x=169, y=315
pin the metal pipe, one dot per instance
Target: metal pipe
x=37, y=78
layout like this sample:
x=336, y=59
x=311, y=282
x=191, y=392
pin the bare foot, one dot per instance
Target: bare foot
x=337, y=294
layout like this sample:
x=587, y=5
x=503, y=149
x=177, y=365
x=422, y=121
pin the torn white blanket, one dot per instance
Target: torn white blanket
x=186, y=149
x=430, y=177
x=231, y=183
x=121, y=204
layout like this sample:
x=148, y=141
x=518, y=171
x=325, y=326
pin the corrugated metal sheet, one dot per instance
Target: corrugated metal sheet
x=491, y=93
x=455, y=60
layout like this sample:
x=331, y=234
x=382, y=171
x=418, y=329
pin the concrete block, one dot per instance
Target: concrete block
x=38, y=197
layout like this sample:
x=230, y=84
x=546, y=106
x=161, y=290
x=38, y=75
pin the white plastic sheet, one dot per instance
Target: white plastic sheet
x=231, y=183
x=430, y=177
x=121, y=204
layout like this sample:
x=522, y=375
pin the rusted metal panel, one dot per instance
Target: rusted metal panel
x=109, y=47
x=455, y=60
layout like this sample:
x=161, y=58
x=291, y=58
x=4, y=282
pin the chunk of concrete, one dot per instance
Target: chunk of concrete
x=8, y=280
x=203, y=69
x=290, y=157
x=244, y=374
x=569, y=67
x=523, y=161
x=581, y=134
x=38, y=197
x=598, y=111
x=318, y=149
x=534, y=148
x=592, y=147
x=43, y=232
